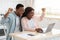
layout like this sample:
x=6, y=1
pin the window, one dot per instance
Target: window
x=52, y=6
x=5, y=4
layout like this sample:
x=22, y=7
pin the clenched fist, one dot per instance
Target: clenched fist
x=9, y=10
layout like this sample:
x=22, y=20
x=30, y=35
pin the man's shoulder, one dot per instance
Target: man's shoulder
x=12, y=14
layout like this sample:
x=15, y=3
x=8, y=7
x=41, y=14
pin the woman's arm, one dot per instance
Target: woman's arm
x=43, y=14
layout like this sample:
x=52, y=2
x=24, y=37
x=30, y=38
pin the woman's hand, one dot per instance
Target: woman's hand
x=39, y=30
x=43, y=14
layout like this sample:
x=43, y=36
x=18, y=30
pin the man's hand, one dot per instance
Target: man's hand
x=39, y=30
x=9, y=10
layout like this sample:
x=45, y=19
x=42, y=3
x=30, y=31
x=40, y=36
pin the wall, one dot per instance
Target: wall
x=5, y=4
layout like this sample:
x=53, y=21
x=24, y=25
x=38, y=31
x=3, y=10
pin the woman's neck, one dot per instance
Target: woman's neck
x=28, y=18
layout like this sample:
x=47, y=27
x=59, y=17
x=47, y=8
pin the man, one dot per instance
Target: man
x=13, y=20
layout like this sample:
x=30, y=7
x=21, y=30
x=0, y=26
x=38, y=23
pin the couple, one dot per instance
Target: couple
x=19, y=20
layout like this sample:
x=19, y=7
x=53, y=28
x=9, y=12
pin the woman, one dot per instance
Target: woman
x=27, y=22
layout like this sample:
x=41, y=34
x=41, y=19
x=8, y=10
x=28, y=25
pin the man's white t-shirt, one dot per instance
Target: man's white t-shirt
x=17, y=24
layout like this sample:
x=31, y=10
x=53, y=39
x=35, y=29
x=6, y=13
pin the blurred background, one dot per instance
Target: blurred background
x=52, y=9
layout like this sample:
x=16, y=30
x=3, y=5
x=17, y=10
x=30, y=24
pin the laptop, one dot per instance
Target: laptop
x=49, y=28
x=2, y=34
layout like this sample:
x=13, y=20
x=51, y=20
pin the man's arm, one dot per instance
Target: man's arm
x=7, y=13
x=5, y=20
x=6, y=17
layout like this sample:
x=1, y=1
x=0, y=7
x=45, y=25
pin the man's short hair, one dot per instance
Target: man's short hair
x=19, y=5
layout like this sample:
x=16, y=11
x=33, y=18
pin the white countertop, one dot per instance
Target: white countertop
x=55, y=33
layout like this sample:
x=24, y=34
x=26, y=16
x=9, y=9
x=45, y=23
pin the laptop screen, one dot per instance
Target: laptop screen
x=2, y=33
x=50, y=27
